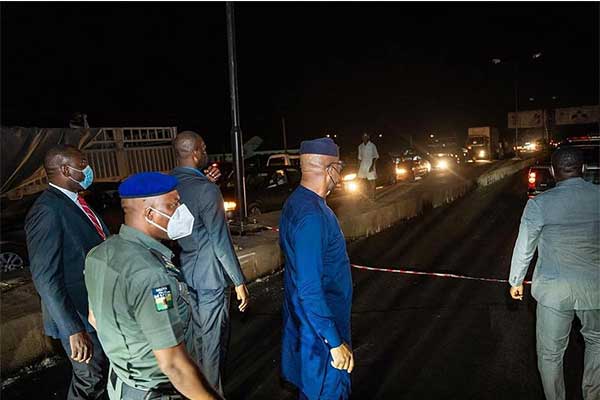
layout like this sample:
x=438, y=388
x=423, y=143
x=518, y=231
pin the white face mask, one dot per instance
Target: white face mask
x=180, y=223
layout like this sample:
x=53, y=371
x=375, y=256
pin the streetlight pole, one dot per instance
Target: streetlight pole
x=534, y=56
x=516, y=109
x=236, y=131
x=284, y=134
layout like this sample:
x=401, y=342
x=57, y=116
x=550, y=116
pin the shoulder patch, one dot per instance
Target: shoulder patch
x=163, y=298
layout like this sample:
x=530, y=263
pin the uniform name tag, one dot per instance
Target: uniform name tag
x=163, y=298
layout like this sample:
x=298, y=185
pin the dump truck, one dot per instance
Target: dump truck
x=483, y=144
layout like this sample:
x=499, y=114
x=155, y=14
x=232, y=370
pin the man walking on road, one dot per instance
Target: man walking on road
x=208, y=260
x=61, y=229
x=563, y=223
x=316, y=353
x=367, y=157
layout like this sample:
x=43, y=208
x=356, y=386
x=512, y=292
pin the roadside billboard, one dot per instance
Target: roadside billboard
x=526, y=119
x=577, y=115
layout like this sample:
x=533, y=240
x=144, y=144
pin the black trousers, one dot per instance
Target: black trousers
x=88, y=380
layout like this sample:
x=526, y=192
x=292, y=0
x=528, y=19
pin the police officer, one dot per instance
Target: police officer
x=138, y=303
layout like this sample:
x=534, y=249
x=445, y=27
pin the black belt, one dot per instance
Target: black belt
x=166, y=391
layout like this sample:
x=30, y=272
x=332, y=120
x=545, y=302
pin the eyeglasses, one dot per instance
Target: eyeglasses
x=339, y=164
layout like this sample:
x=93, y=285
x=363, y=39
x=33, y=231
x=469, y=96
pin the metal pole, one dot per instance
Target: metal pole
x=517, y=119
x=284, y=134
x=236, y=131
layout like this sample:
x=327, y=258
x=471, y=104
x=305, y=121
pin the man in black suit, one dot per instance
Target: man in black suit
x=61, y=229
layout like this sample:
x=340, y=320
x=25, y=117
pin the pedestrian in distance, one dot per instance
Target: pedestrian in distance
x=563, y=224
x=61, y=228
x=208, y=259
x=138, y=301
x=367, y=171
x=316, y=354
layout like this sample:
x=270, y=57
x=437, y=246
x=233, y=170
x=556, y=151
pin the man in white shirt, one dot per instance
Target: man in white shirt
x=367, y=156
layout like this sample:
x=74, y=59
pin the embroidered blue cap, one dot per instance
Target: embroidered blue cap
x=147, y=184
x=324, y=146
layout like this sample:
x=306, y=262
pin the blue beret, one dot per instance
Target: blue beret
x=147, y=184
x=324, y=146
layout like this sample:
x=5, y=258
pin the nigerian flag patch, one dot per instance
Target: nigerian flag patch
x=163, y=298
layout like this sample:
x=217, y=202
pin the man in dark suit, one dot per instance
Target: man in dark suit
x=61, y=229
x=208, y=260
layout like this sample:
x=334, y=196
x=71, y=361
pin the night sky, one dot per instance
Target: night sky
x=394, y=68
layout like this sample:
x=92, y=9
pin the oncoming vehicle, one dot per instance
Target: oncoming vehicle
x=386, y=168
x=482, y=143
x=411, y=165
x=443, y=161
x=442, y=152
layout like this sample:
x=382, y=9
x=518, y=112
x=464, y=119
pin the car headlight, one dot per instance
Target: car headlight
x=350, y=177
x=230, y=205
x=352, y=186
x=401, y=171
x=482, y=153
x=442, y=164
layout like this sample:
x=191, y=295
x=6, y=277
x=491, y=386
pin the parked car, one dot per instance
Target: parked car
x=590, y=147
x=13, y=246
x=284, y=159
x=266, y=190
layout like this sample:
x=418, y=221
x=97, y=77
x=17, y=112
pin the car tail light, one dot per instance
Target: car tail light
x=578, y=138
x=532, y=179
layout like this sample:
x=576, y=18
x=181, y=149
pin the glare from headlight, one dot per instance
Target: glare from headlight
x=352, y=186
x=443, y=164
x=530, y=146
x=230, y=205
x=482, y=153
x=400, y=171
x=350, y=177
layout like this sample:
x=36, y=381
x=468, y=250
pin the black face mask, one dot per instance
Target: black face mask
x=329, y=173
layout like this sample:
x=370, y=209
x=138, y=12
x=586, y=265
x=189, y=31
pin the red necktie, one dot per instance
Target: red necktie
x=91, y=216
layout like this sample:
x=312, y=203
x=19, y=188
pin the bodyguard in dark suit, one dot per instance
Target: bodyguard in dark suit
x=208, y=260
x=61, y=229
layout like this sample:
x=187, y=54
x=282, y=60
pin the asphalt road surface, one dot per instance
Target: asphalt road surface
x=414, y=337
x=422, y=337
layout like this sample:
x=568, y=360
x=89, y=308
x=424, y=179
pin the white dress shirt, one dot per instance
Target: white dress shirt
x=73, y=197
